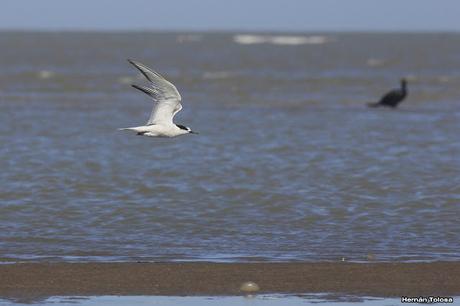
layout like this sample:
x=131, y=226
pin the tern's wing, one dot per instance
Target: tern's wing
x=165, y=95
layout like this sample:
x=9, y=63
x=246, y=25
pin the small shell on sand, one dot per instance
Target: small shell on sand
x=249, y=287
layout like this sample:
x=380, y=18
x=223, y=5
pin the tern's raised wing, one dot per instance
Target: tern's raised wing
x=165, y=95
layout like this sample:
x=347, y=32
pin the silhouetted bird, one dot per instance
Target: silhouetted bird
x=394, y=97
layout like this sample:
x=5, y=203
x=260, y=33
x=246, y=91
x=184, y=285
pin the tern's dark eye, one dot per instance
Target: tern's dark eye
x=182, y=127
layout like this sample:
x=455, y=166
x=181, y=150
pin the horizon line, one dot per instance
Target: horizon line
x=228, y=31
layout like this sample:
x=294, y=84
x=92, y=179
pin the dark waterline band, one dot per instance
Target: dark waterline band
x=41, y=280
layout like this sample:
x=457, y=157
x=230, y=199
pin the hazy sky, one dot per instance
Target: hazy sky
x=278, y=15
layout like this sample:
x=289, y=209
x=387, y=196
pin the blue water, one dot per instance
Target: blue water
x=290, y=164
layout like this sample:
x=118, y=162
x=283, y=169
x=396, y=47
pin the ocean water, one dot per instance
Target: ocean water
x=289, y=165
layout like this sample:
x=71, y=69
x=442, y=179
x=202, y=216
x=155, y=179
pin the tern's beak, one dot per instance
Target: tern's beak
x=192, y=132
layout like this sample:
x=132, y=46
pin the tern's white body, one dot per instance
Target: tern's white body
x=158, y=130
x=167, y=104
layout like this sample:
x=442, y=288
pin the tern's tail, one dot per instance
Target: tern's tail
x=136, y=129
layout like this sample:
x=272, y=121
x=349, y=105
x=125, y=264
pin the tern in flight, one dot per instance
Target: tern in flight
x=166, y=100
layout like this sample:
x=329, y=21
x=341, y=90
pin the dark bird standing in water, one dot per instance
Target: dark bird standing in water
x=393, y=98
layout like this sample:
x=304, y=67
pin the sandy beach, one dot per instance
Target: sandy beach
x=41, y=280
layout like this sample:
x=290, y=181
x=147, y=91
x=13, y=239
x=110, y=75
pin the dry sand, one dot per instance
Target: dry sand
x=41, y=280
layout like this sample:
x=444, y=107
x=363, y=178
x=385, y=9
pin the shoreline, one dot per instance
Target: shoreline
x=42, y=280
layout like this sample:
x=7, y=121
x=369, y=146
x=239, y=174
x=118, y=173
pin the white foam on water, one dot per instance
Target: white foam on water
x=298, y=40
x=249, y=39
x=246, y=39
x=375, y=62
x=45, y=74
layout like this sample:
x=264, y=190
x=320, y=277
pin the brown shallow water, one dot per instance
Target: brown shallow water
x=289, y=164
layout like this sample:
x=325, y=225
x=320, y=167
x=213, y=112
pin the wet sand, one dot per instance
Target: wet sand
x=41, y=280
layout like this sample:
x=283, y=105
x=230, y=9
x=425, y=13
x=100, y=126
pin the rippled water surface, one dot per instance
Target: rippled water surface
x=289, y=165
